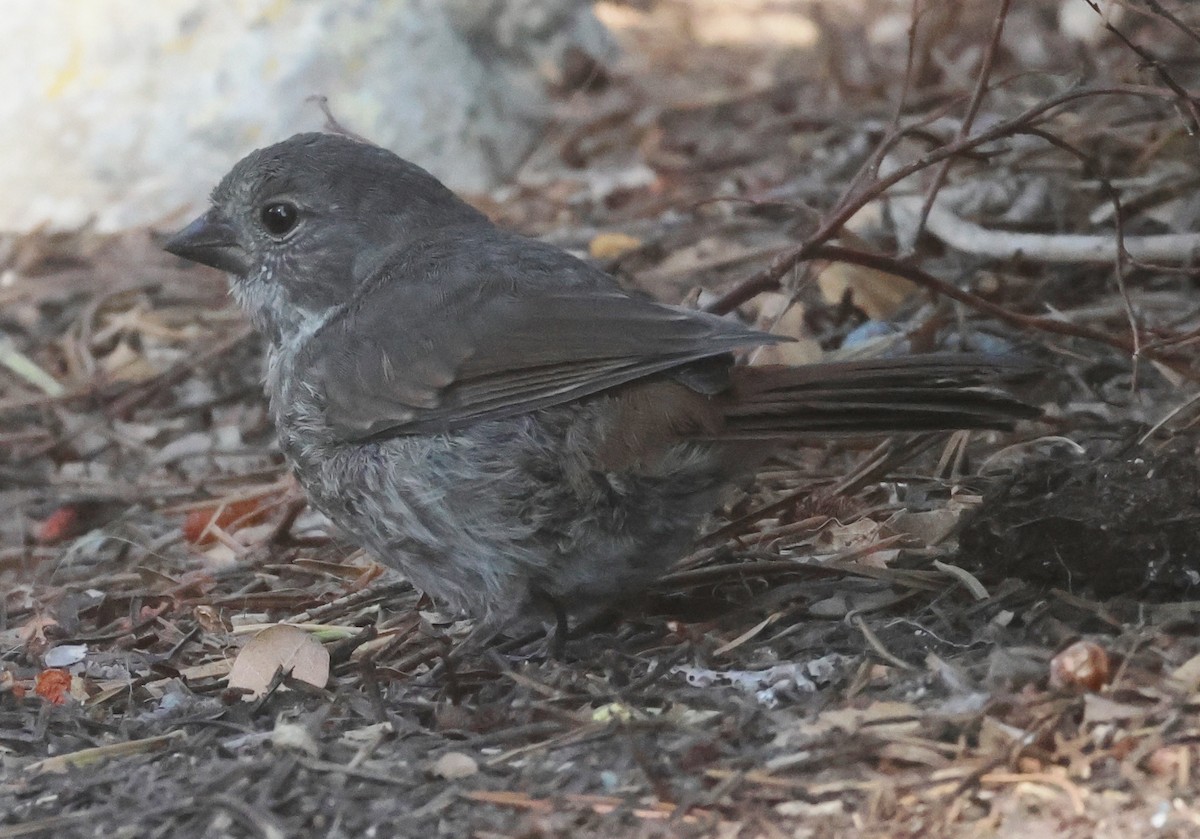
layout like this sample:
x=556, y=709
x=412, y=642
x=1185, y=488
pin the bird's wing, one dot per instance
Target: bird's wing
x=438, y=340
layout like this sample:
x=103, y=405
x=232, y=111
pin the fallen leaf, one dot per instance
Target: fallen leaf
x=781, y=315
x=454, y=765
x=291, y=736
x=930, y=526
x=228, y=516
x=1172, y=760
x=32, y=633
x=59, y=525
x=1100, y=709
x=373, y=733
x=210, y=619
x=914, y=753
x=65, y=655
x=996, y=735
x=126, y=364
x=885, y=719
x=1187, y=675
x=875, y=292
x=92, y=756
x=74, y=519
x=612, y=711
x=279, y=646
x=612, y=245
x=54, y=686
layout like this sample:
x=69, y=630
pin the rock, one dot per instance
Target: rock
x=126, y=113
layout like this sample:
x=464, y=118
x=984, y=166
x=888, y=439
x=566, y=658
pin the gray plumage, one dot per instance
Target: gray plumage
x=494, y=417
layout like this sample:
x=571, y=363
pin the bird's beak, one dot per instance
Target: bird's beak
x=211, y=240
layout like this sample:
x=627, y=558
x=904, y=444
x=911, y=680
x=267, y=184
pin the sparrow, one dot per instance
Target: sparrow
x=498, y=419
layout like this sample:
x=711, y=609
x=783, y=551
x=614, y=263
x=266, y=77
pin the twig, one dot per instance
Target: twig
x=981, y=86
x=768, y=278
x=1158, y=9
x=1170, y=415
x=177, y=372
x=881, y=262
x=1159, y=70
x=883, y=652
x=1064, y=248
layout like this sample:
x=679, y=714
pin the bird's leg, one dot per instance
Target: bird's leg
x=561, y=631
x=556, y=637
x=482, y=634
x=477, y=639
x=486, y=631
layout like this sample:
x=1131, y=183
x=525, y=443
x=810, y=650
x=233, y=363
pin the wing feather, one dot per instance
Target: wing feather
x=524, y=327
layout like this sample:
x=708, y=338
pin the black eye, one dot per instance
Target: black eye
x=279, y=217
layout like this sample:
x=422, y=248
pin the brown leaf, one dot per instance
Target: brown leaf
x=612, y=245
x=1100, y=709
x=877, y=293
x=229, y=515
x=289, y=647
x=54, y=686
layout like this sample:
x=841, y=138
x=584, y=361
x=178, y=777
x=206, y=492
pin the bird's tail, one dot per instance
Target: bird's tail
x=936, y=392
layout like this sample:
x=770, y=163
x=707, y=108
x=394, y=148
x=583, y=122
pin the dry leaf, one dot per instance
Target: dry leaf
x=877, y=293
x=368, y=734
x=998, y=736
x=1170, y=760
x=930, y=526
x=455, y=765
x=885, y=719
x=1101, y=709
x=913, y=753
x=126, y=364
x=220, y=556
x=859, y=535
x=612, y=245
x=278, y=646
x=1187, y=675
x=89, y=757
x=778, y=314
x=290, y=736
x=210, y=619
x=705, y=255
x=64, y=655
x=229, y=516
x=54, y=686
x=32, y=633
x=60, y=525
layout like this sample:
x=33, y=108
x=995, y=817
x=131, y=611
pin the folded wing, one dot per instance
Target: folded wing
x=524, y=330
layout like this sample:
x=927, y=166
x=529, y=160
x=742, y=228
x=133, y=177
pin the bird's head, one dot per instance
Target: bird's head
x=298, y=225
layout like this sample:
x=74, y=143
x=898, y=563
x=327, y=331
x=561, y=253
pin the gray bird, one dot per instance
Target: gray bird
x=496, y=418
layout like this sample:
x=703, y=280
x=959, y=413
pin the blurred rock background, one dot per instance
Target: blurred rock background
x=463, y=86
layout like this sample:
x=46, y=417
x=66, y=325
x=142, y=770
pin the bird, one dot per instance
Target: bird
x=498, y=419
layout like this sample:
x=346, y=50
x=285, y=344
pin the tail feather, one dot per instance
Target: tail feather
x=918, y=393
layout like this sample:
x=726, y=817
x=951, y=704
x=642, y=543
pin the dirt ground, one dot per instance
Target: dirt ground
x=985, y=634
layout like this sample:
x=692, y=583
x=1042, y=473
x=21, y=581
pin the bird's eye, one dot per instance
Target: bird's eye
x=279, y=217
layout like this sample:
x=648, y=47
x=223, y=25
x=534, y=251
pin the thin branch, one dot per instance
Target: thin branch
x=1158, y=9
x=981, y=87
x=1159, y=70
x=768, y=278
x=890, y=265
